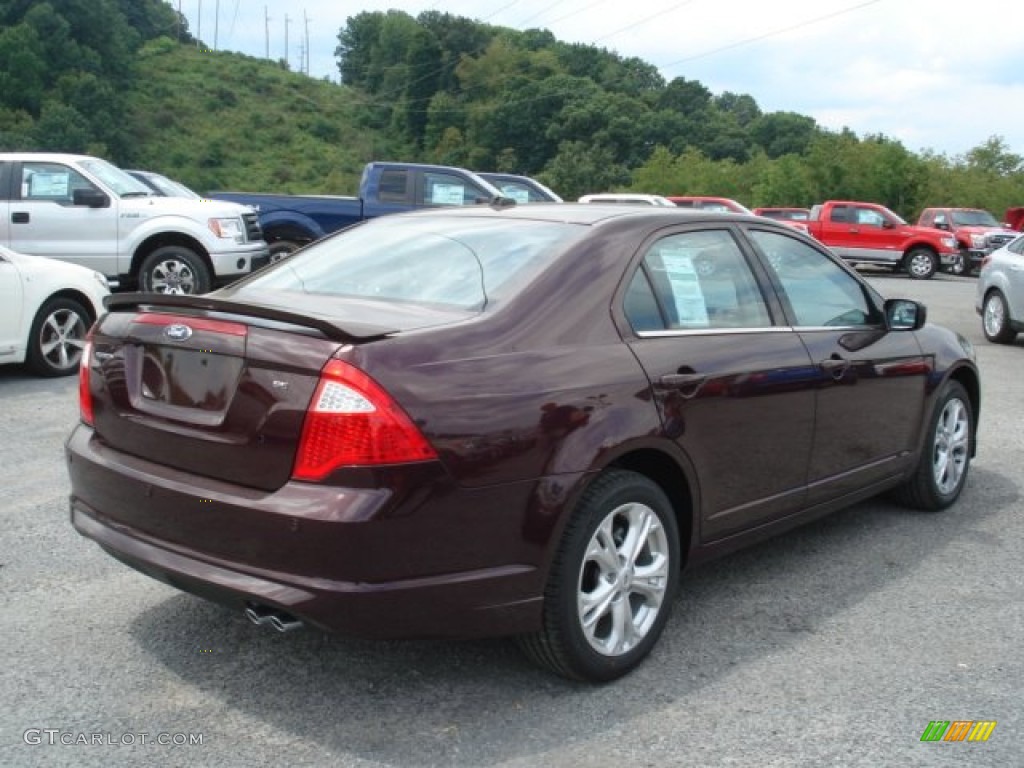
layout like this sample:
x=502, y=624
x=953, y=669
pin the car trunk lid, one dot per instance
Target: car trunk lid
x=211, y=387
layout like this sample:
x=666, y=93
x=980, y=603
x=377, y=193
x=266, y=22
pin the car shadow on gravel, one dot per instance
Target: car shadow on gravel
x=479, y=702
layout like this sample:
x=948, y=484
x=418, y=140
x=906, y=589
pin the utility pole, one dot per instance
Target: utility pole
x=199, y=25
x=306, y=18
x=216, y=24
x=177, y=23
x=286, y=22
x=266, y=31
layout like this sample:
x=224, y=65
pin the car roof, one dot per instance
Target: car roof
x=581, y=213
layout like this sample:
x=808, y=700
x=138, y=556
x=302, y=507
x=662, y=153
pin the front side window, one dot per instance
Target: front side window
x=695, y=281
x=819, y=291
x=870, y=217
x=447, y=189
x=51, y=181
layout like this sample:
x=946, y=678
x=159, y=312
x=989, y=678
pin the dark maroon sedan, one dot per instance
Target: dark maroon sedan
x=507, y=421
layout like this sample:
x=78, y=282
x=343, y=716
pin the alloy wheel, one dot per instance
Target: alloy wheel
x=623, y=579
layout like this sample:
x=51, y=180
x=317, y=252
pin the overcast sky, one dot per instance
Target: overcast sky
x=933, y=74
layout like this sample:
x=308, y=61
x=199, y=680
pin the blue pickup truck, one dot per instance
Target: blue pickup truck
x=290, y=221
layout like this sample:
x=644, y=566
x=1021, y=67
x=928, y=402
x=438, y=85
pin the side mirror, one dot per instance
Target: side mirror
x=90, y=198
x=886, y=224
x=904, y=315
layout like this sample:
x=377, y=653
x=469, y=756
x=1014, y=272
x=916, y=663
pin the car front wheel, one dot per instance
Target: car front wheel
x=942, y=469
x=57, y=337
x=995, y=319
x=174, y=269
x=921, y=264
x=612, y=583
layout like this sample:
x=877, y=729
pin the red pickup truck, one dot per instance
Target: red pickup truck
x=976, y=231
x=867, y=233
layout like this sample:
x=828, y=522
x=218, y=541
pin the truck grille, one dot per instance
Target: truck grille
x=253, y=230
x=1000, y=239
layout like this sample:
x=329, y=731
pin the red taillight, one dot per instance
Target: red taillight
x=352, y=421
x=84, y=381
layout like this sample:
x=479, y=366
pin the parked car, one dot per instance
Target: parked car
x=868, y=233
x=86, y=211
x=46, y=308
x=976, y=231
x=706, y=203
x=522, y=189
x=291, y=221
x=627, y=198
x=163, y=186
x=1000, y=295
x=784, y=214
x=520, y=420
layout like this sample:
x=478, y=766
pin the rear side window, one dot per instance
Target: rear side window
x=462, y=263
x=394, y=186
x=695, y=281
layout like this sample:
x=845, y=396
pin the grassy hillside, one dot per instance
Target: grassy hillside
x=220, y=120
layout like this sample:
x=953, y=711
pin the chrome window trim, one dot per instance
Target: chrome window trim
x=711, y=331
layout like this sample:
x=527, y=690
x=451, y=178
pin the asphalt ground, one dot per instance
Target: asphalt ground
x=833, y=645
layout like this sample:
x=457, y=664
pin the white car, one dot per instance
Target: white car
x=46, y=309
x=629, y=198
x=1000, y=294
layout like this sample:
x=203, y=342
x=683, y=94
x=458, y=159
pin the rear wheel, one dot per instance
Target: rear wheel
x=174, y=269
x=995, y=319
x=612, y=582
x=942, y=469
x=57, y=337
x=921, y=264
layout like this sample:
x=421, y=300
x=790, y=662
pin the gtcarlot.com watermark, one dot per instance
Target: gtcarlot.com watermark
x=56, y=736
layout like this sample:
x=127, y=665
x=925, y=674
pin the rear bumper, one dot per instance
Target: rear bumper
x=345, y=560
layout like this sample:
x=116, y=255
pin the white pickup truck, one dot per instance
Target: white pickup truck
x=84, y=210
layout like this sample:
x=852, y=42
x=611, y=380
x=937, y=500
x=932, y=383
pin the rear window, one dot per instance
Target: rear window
x=462, y=263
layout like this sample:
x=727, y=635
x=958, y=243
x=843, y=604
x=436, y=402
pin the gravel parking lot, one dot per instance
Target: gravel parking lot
x=834, y=645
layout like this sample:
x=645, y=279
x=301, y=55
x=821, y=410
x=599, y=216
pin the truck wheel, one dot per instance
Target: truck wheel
x=282, y=249
x=960, y=263
x=612, y=581
x=174, y=269
x=921, y=264
x=57, y=338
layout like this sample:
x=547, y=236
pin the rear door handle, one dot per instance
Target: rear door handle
x=19, y=217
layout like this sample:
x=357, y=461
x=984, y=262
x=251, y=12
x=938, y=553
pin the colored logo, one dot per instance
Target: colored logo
x=958, y=730
x=177, y=332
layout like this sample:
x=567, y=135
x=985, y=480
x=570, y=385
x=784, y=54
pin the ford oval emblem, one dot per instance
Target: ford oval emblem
x=177, y=332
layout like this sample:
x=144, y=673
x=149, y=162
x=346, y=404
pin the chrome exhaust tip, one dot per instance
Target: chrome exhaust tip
x=261, y=615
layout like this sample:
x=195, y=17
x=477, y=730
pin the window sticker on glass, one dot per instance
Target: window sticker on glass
x=691, y=308
x=43, y=184
x=447, y=194
x=517, y=193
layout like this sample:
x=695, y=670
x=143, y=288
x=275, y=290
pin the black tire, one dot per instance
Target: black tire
x=961, y=264
x=57, y=337
x=282, y=249
x=174, y=269
x=946, y=456
x=616, y=505
x=920, y=264
x=995, y=319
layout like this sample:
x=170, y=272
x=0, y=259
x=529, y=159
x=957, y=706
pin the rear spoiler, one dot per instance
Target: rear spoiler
x=351, y=332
